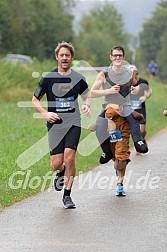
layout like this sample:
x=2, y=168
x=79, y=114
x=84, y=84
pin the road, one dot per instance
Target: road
x=101, y=222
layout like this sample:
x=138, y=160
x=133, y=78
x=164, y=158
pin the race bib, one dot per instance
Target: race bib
x=115, y=135
x=64, y=104
x=136, y=104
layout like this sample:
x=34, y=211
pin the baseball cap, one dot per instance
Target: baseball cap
x=132, y=67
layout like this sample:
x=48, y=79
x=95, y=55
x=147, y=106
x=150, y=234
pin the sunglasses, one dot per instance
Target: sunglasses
x=117, y=55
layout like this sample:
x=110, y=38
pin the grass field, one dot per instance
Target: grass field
x=21, y=133
x=18, y=132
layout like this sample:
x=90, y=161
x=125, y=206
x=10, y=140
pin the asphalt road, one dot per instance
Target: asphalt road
x=101, y=222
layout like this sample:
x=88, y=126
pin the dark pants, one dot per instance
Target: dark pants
x=134, y=128
x=102, y=133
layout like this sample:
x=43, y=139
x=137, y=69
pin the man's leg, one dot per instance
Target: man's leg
x=120, y=167
x=122, y=155
x=65, y=175
x=71, y=141
x=136, y=134
x=56, y=146
x=69, y=161
x=103, y=138
x=57, y=162
x=143, y=131
x=58, y=166
x=64, y=164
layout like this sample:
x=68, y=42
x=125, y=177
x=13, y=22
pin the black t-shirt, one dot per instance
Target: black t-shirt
x=144, y=86
x=62, y=92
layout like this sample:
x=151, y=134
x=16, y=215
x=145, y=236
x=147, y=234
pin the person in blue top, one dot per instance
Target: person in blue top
x=62, y=86
x=152, y=69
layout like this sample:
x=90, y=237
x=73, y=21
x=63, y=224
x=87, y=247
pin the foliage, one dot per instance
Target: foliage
x=153, y=38
x=17, y=81
x=34, y=27
x=100, y=31
x=161, y=56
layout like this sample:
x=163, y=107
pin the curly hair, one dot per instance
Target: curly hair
x=66, y=45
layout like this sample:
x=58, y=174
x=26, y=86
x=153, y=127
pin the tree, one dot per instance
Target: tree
x=153, y=35
x=53, y=26
x=13, y=23
x=34, y=27
x=100, y=31
x=161, y=57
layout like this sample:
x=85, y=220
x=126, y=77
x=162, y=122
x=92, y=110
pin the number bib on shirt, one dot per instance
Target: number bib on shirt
x=136, y=104
x=64, y=104
x=115, y=135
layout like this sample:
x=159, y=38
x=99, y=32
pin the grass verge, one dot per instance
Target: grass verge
x=19, y=131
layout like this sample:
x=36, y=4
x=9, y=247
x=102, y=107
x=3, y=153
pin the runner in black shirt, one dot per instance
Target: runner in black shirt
x=138, y=101
x=62, y=86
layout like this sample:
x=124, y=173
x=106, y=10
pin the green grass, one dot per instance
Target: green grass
x=16, y=81
x=19, y=131
x=155, y=106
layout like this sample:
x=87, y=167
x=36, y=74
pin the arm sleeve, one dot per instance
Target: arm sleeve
x=41, y=89
x=83, y=86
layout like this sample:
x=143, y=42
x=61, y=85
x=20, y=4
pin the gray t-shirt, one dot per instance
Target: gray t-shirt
x=123, y=78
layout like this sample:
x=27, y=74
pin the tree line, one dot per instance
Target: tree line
x=34, y=27
x=153, y=39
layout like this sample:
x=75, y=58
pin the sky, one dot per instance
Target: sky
x=134, y=12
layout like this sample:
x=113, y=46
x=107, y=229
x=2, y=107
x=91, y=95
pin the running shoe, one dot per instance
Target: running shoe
x=59, y=180
x=68, y=203
x=141, y=147
x=105, y=157
x=144, y=141
x=120, y=190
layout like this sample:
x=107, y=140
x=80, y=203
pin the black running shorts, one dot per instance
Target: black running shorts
x=59, y=139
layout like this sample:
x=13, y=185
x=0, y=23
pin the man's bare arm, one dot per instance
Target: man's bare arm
x=96, y=90
x=51, y=117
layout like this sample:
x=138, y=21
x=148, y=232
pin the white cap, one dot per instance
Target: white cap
x=132, y=67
